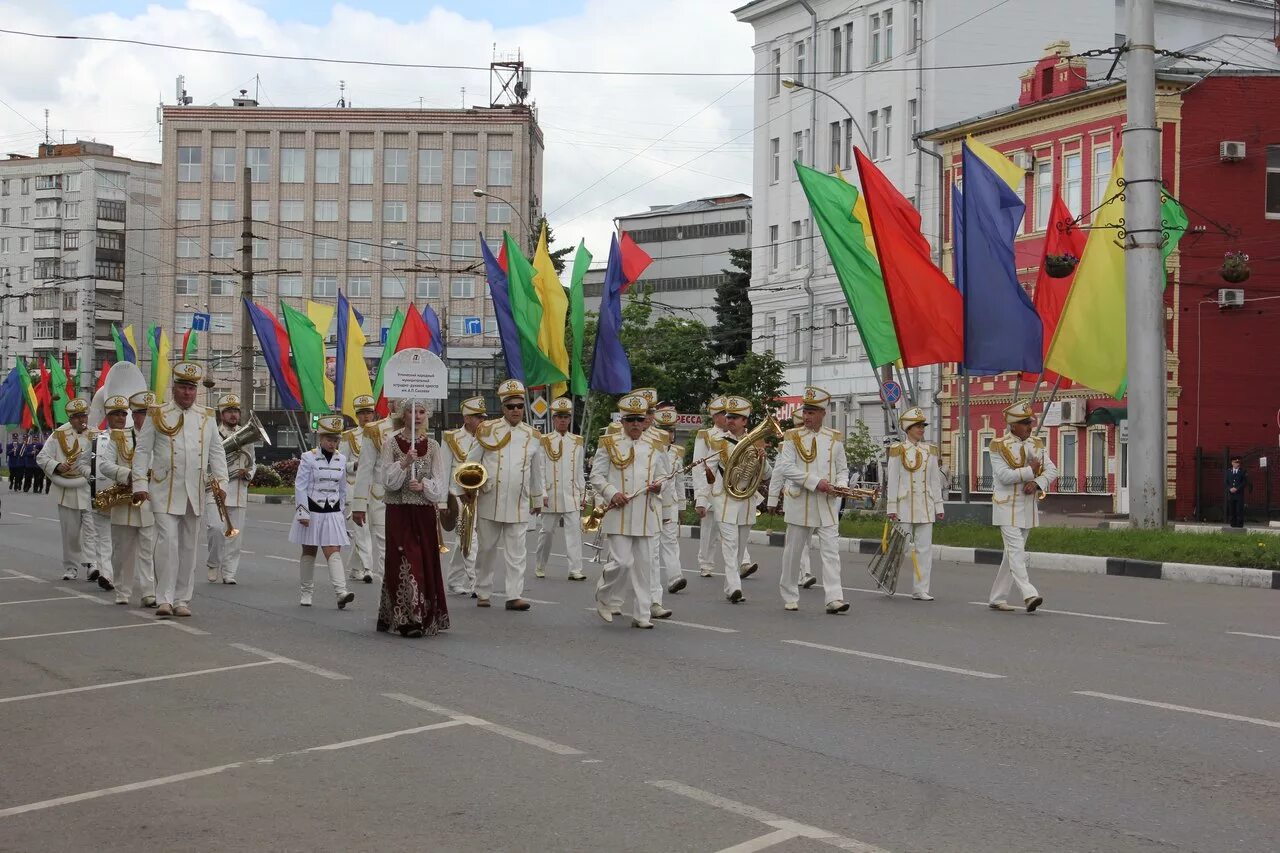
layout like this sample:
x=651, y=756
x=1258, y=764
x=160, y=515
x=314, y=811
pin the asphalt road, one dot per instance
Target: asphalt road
x=1126, y=715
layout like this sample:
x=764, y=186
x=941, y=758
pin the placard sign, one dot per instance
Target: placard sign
x=415, y=374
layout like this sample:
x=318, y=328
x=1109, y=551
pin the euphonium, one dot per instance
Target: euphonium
x=745, y=468
x=470, y=477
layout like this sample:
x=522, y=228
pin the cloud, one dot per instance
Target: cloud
x=593, y=124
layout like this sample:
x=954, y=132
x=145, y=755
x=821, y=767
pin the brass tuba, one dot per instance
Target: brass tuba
x=470, y=477
x=246, y=435
x=745, y=468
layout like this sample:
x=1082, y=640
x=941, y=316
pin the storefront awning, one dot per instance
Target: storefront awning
x=1107, y=415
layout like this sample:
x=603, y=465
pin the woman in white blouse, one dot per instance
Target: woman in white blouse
x=320, y=495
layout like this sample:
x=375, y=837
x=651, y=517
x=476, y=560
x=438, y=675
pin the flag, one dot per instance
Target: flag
x=102, y=376
x=31, y=403
x=190, y=343
x=307, y=344
x=321, y=316
x=1061, y=238
x=57, y=391
x=1007, y=170
x=610, y=367
x=351, y=374
x=500, y=291
x=388, y=350
x=928, y=314
x=577, y=319
x=1001, y=328
x=555, y=307
x=834, y=204
x=44, y=396
x=502, y=257
x=527, y=312
x=634, y=261
x=126, y=346
x=11, y=403
x=273, y=341
x=432, y=320
x=414, y=333
x=161, y=371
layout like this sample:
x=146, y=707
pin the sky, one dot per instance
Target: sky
x=615, y=145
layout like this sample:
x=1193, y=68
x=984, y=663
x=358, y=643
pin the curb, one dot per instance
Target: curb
x=269, y=499
x=1041, y=560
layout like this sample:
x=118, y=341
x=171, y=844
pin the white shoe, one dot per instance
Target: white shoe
x=305, y=599
x=807, y=580
x=657, y=611
x=604, y=612
x=122, y=599
x=921, y=596
x=836, y=607
x=636, y=623
x=706, y=573
x=791, y=605
x=213, y=574
x=69, y=575
x=539, y=572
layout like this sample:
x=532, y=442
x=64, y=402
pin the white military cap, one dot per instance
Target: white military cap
x=510, y=388
x=228, y=401
x=666, y=417
x=912, y=416
x=187, y=373
x=816, y=397
x=77, y=407
x=364, y=403
x=114, y=403
x=330, y=425
x=650, y=394
x=142, y=400
x=473, y=406
x=734, y=405
x=716, y=405
x=1019, y=411
x=562, y=406
x=633, y=404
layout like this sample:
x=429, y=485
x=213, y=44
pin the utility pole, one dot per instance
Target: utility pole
x=246, y=290
x=1144, y=300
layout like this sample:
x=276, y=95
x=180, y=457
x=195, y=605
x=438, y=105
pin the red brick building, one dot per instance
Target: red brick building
x=1220, y=117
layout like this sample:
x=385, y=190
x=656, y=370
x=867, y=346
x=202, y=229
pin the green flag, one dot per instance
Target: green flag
x=58, y=390
x=577, y=320
x=308, y=359
x=526, y=310
x=832, y=201
x=388, y=350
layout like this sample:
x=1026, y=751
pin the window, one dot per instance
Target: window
x=71, y=210
x=794, y=335
x=290, y=285
x=886, y=120
x=47, y=240
x=24, y=244
x=291, y=211
x=837, y=51
x=26, y=215
x=47, y=268
x=112, y=240
x=70, y=269
x=359, y=285
x=220, y=323
x=45, y=300
x=873, y=133
x=188, y=209
x=392, y=287
x=73, y=182
x=775, y=81
x=497, y=213
x=324, y=249
x=221, y=285
x=848, y=48
x=1068, y=479
x=326, y=210
x=221, y=360
x=888, y=33
x=6, y=244
x=395, y=166
x=914, y=31
x=290, y=248
x=190, y=164
x=874, y=50
x=1273, y=181
x=771, y=332
x=775, y=160
x=801, y=54
x=500, y=168
x=324, y=285
x=359, y=211
x=773, y=248
x=71, y=240
x=361, y=165
x=4, y=186
x=188, y=247
x=1044, y=192
x=427, y=288
x=1072, y=182
x=464, y=212
x=326, y=165
x=913, y=117
x=797, y=255
x=293, y=165
x=848, y=143
x=1102, y=173
x=222, y=247
x=395, y=211
x=222, y=210
x=465, y=166
x=47, y=208
x=395, y=250
x=430, y=166
x=428, y=251
x=260, y=211
x=837, y=332
x=358, y=250
x=224, y=165
x=462, y=287
x=259, y=162
x=26, y=186
x=45, y=330
x=835, y=146
x=797, y=145
x=464, y=251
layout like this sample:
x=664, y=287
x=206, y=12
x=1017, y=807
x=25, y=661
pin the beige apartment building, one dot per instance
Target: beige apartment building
x=386, y=205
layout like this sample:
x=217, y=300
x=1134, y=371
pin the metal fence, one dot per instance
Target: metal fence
x=1209, y=467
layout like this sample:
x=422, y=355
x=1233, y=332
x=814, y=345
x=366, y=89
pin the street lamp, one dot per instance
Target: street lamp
x=796, y=84
x=480, y=192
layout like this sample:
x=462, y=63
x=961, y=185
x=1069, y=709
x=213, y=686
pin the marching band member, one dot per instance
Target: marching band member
x=623, y=466
x=666, y=564
x=224, y=554
x=320, y=493
x=362, y=552
x=97, y=530
x=734, y=516
x=179, y=456
x=811, y=461
x=133, y=529
x=1021, y=471
x=776, y=506
x=566, y=487
x=65, y=456
x=462, y=567
x=914, y=482
x=709, y=536
x=511, y=452
x=367, y=501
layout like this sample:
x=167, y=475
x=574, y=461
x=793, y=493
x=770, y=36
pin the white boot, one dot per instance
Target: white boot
x=306, y=571
x=339, y=580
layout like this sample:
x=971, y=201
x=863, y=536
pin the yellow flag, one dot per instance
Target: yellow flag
x=864, y=218
x=555, y=308
x=322, y=316
x=1011, y=173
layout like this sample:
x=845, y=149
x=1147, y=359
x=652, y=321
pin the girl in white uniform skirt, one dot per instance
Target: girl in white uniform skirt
x=320, y=493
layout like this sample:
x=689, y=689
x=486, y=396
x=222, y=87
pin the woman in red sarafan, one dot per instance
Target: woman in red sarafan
x=413, y=596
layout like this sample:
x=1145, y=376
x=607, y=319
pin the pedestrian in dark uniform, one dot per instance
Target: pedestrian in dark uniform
x=34, y=446
x=11, y=452
x=1237, y=483
x=30, y=449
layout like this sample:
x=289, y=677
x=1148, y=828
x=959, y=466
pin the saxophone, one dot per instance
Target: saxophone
x=114, y=496
x=744, y=470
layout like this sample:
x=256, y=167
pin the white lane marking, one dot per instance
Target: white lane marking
x=77, y=631
x=250, y=553
x=296, y=664
x=505, y=731
x=32, y=578
x=213, y=771
x=526, y=598
x=1088, y=615
x=1186, y=710
x=86, y=596
x=12, y=578
x=147, y=680
x=38, y=600
x=906, y=661
x=715, y=628
x=149, y=615
x=286, y=559
x=47, y=518
x=873, y=591
x=1259, y=636
x=21, y=515
x=794, y=829
x=277, y=523
x=763, y=842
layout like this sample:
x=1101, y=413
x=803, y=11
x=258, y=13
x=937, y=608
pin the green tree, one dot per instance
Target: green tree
x=758, y=377
x=859, y=448
x=731, y=335
x=557, y=255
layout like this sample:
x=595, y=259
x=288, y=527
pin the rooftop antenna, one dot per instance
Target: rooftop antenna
x=46, y=126
x=342, y=94
x=257, y=81
x=510, y=80
x=183, y=99
x=464, y=97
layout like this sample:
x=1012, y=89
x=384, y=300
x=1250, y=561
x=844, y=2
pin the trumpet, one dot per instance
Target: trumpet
x=856, y=492
x=220, y=501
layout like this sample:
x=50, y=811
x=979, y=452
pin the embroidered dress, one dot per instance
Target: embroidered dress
x=413, y=594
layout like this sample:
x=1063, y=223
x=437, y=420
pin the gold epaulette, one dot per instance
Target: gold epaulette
x=836, y=435
x=610, y=445
x=895, y=449
x=1037, y=442
x=451, y=441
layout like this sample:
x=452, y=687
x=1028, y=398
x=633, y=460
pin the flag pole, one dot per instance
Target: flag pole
x=1052, y=396
x=965, y=495
x=1017, y=387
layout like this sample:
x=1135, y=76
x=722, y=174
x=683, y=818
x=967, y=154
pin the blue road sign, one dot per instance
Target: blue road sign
x=472, y=326
x=200, y=322
x=891, y=392
x=383, y=339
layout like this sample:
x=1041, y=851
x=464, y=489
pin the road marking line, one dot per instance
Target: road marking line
x=277, y=523
x=12, y=578
x=38, y=600
x=1170, y=707
x=147, y=680
x=47, y=518
x=715, y=628
x=763, y=842
x=879, y=592
x=907, y=661
x=526, y=598
x=286, y=559
x=149, y=615
x=250, y=553
x=86, y=596
x=505, y=731
x=296, y=664
x=213, y=771
x=32, y=578
x=423, y=704
x=794, y=829
x=1259, y=636
x=21, y=515
x=77, y=631
x=1088, y=615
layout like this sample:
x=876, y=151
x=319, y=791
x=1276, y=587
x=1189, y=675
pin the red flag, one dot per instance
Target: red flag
x=928, y=311
x=502, y=256
x=102, y=377
x=44, y=395
x=634, y=260
x=1062, y=238
x=415, y=332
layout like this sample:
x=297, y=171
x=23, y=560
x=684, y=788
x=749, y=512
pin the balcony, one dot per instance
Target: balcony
x=48, y=186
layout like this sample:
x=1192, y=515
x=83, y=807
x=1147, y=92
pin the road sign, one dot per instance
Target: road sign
x=200, y=322
x=539, y=407
x=416, y=374
x=383, y=339
x=472, y=326
x=891, y=392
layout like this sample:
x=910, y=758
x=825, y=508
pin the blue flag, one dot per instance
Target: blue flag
x=1002, y=330
x=11, y=400
x=610, y=368
x=432, y=320
x=507, y=332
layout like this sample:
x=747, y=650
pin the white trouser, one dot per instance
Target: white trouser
x=572, y=538
x=666, y=567
x=177, y=540
x=462, y=568
x=629, y=564
x=510, y=538
x=369, y=541
x=709, y=541
x=97, y=541
x=1013, y=568
x=132, y=552
x=793, y=552
x=307, y=569
x=921, y=537
x=224, y=553
x=733, y=550
x=75, y=536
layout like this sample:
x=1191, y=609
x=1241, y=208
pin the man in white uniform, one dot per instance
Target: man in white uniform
x=179, y=456
x=97, y=531
x=666, y=565
x=709, y=536
x=462, y=567
x=64, y=459
x=1021, y=471
x=224, y=553
x=367, y=505
x=566, y=490
x=775, y=505
x=811, y=460
x=735, y=516
x=362, y=559
x=511, y=452
x=132, y=527
x=622, y=467
x=914, y=496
